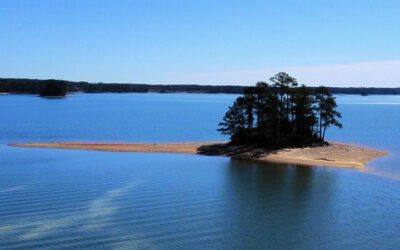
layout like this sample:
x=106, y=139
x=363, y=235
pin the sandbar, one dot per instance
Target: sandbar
x=332, y=155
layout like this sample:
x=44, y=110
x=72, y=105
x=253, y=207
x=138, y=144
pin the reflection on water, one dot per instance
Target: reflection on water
x=281, y=202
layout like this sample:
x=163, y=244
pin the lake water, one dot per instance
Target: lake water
x=58, y=199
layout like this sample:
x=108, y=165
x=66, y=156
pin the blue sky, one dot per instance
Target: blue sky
x=338, y=43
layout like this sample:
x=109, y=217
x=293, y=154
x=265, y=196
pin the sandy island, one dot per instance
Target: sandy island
x=334, y=155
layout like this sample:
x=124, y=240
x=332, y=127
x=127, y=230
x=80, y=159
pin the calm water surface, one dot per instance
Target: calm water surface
x=82, y=199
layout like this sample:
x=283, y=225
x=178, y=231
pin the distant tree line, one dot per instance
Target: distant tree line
x=280, y=114
x=33, y=86
x=53, y=88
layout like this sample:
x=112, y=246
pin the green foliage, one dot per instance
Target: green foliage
x=327, y=114
x=53, y=88
x=280, y=114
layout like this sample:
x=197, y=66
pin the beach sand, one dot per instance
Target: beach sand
x=333, y=155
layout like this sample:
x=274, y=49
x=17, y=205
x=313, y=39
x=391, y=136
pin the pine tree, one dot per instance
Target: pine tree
x=326, y=109
x=304, y=116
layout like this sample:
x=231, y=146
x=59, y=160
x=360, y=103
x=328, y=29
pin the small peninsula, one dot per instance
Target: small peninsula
x=332, y=155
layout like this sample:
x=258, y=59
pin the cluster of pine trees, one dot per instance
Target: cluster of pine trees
x=280, y=114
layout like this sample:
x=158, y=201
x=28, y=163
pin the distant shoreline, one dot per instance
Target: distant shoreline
x=334, y=155
x=34, y=86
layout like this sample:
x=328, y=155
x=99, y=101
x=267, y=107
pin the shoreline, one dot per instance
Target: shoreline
x=334, y=155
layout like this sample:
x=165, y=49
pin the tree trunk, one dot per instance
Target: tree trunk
x=320, y=124
x=323, y=135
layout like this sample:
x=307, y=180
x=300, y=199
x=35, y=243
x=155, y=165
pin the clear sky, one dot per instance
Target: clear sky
x=336, y=43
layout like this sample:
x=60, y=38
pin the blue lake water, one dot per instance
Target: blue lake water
x=57, y=199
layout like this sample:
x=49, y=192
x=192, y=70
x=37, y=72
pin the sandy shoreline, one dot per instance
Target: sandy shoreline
x=334, y=155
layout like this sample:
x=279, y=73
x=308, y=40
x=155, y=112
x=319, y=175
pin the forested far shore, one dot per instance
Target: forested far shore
x=35, y=86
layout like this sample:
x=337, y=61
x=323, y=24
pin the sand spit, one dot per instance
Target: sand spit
x=333, y=155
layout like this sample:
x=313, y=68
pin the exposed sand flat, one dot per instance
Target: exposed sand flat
x=334, y=155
